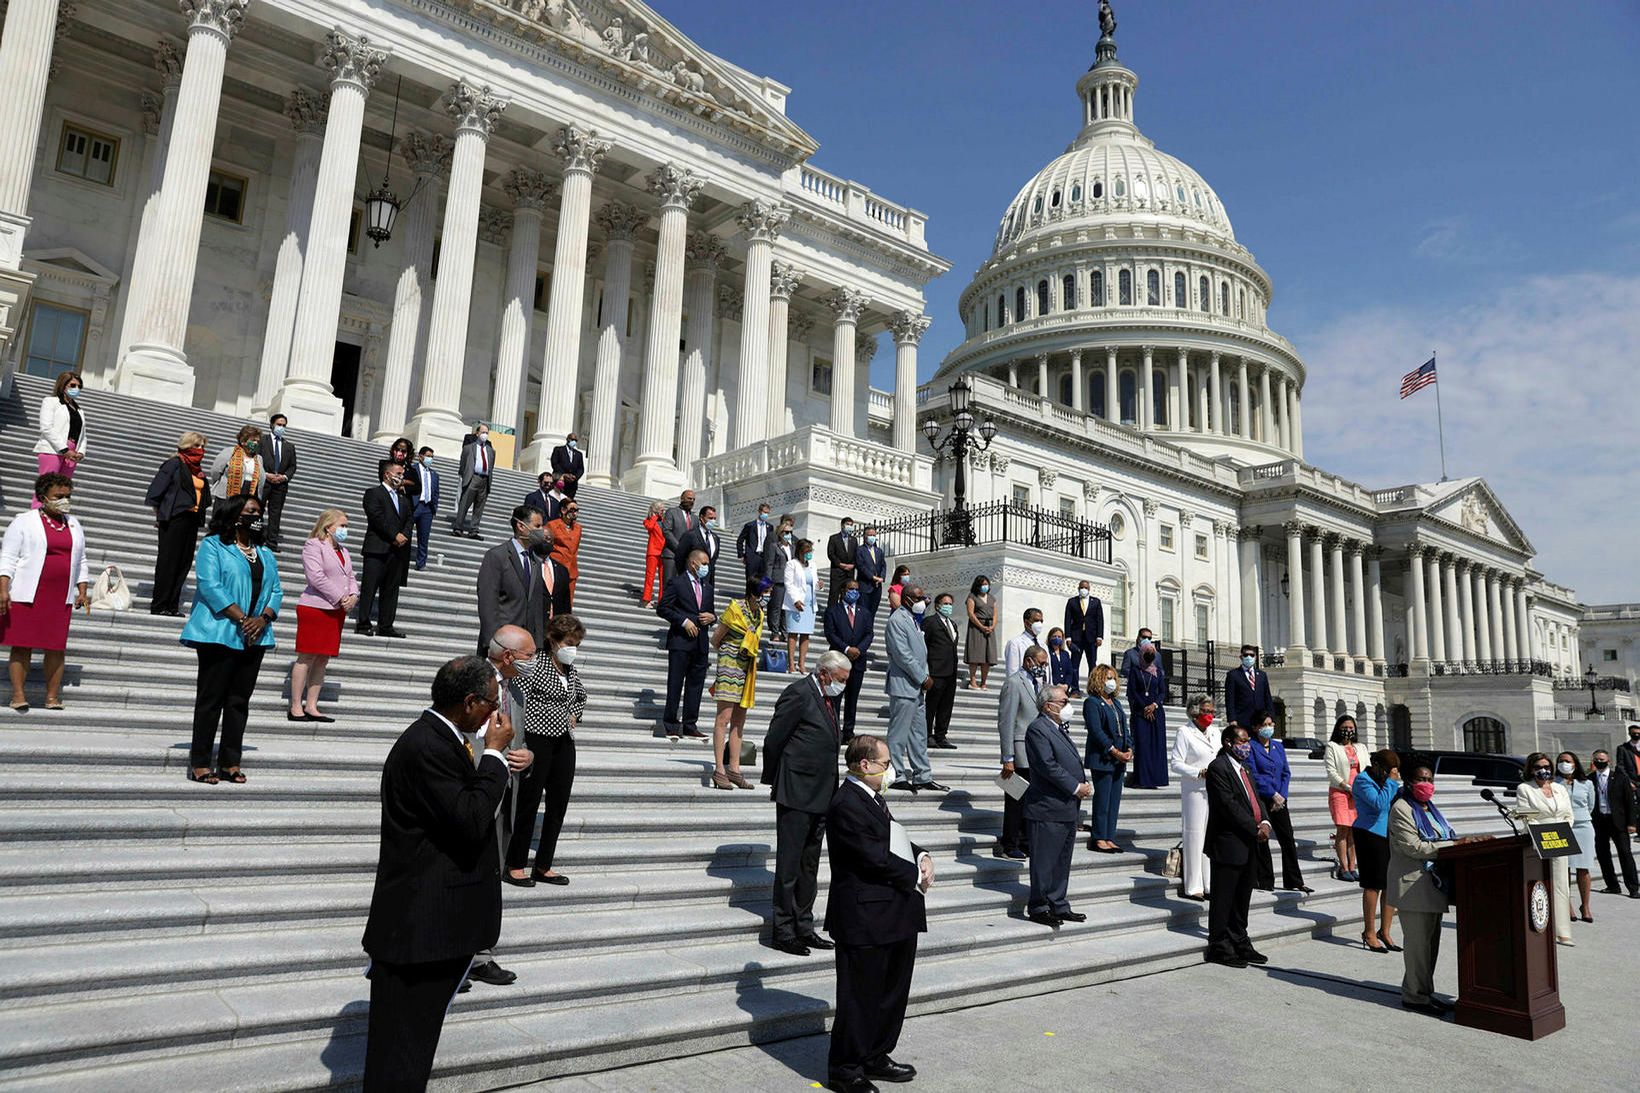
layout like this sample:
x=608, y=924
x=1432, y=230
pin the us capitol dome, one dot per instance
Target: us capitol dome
x=1116, y=286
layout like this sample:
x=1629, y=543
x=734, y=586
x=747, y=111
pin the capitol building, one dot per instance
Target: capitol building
x=406, y=216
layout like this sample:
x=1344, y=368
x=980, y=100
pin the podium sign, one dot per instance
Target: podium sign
x=1508, y=980
x=1553, y=840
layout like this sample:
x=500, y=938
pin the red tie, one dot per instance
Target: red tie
x=851, y=618
x=1252, y=798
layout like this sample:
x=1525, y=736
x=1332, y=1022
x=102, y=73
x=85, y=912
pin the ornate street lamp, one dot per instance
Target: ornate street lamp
x=1590, y=678
x=959, y=528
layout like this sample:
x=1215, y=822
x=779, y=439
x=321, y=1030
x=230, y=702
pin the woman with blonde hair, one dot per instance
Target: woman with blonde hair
x=652, y=554
x=330, y=594
x=1108, y=752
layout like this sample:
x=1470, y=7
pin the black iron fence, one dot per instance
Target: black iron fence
x=996, y=522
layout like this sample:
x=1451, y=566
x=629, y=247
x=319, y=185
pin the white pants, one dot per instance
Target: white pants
x=1562, y=902
x=1193, y=811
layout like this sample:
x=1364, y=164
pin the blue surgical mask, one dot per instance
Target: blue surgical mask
x=1146, y=643
x=1248, y=661
x=848, y=529
x=279, y=431
x=572, y=444
x=339, y=534
x=702, y=570
x=808, y=555
x=786, y=538
x=763, y=518
x=945, y=610
x=851, y=596
x=72, y=392
x=871, y=540
x=1056, y=642
x=1265, y=732
x=984, y=589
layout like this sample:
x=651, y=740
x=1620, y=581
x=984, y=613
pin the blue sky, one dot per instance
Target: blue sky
x=1459, y=176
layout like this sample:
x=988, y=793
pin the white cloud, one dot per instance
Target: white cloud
x=1453, y=239
x=1540, y=387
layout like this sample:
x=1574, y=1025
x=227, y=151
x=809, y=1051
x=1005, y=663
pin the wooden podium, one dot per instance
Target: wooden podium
x=1507, y=976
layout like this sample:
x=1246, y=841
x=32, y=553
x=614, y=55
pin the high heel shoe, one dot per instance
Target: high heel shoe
x=1366, y=943
x=1388, y=944
x=720, y=781
x=739, y=780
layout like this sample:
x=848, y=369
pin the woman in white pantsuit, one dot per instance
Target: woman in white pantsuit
x=1194, y=748
x=1553, y=804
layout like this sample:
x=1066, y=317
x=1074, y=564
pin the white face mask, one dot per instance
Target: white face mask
x=1110, y=686
x=1567, y=768
x=1037, y=627
x=565, y=654
x=524, y=665
x=1083, y=593
x=835, y=688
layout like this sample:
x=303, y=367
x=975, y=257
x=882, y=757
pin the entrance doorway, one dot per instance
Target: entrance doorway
x=1400, y=728
x=344, y=380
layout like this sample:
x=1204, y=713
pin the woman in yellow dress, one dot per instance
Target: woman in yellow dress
x=736, y=640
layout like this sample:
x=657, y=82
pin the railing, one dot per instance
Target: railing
x=1270, y=471
x=1122, y=314
x=880, y=402
x=997, y=522
x=854, y=202
x=825, y=187
x=1400, y=495
x=1494, y=668
x=1602, y=683
x=819, y=447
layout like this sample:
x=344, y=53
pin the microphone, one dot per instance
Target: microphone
x=1488, y=795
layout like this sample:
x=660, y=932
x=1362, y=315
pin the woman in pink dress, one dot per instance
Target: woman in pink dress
x=43, y=577
x=1343, y=764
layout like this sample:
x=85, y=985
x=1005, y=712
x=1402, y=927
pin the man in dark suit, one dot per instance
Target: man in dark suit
x=1085, y=630
x=752, y=541
x=704, y=536
x=1616, y=807
x=541, y=496
x=477, y=468
x=386, y=551
x=871, y=570
x=437, y=898
x=841, y=550
x=676, y=522
x=511, y=591
x=1626, y=760
x=940, y=635
x=874, y=912
x=569, y=464
x=421, y=485
x=800, y=762
x=1051, y=807
x=687, y=606
x=849, y=630
x=1247, y=700
x=279, y=466
x=1236, y=824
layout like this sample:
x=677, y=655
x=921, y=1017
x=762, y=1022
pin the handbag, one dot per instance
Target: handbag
x=1174, y=865
x=772, y=660
x=110, y=592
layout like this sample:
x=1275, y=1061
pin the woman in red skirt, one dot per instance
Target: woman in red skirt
x=43, y=577
x=330, y=594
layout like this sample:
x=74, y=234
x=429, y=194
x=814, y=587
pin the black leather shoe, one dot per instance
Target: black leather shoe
x=492, y=973
x=793, y=946
x=943, y=745
x=890, y=1071
x=1043, y=918
x=692, y=734
x=815, y=941
x=1228, y=960
x=1071, y=916
x=851, y=1085
x=364, y=628
x=1634, y=895
x=1431, y=1008
x=1253, y=956
x=1612, y=891
x=392, y=632
x=903, y=784
x=517, y=882
x=466, y=985
x=934, y=786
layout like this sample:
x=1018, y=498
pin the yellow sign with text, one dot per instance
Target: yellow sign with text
x=1553, y=840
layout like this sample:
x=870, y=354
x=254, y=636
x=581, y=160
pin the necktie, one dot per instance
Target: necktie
x=1250, y=682
x=546, y=574
x=686, y=523
x=1247, y=784
x=276, y=461
x=468, y=744
x=393, y=495
x=483, y=460
x=696, y=586
x=851, y=618
x=884, y=805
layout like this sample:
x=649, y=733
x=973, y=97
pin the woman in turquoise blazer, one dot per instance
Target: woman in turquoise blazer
x=1109, y=750
x=1374, y=790
x=236, y=598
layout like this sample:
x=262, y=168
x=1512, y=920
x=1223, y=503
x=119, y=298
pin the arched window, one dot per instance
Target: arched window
x=1054, y=201
x=1141, y=189
x=1124, y=288
x=1002, y=311
x=1121, y=187
x=1067, y=292
x=1128, y=383
x=1036, y=206
x=1096, y=395
x=1096, y=289
x=1180, y=192
x=1181, y=295
x=1158, y=393
x=1204, y=296
x=1153, y=288
x=1484, y=734
x=1043, y=304
x=1098, y=189
x=1224, y=298
x=1076, y=192
x=1241, y=304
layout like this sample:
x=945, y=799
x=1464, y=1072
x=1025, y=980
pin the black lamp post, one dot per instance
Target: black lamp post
x=1589, y=677
x=959, y=528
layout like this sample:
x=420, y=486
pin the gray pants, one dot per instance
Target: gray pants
x=1052, y=842
x=1421, y=942
x=908, y=739
x=473, y=495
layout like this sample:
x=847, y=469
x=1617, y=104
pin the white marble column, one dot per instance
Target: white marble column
x=1511, y=627
x=761, y=221
x=1466, y=610
x=1113, y=389
x=1438, y=632
x=847, y=305
x=1523, y=620
x=1042, y=391
x=1417, y=628
x=1335, y=585
x=1296, y=410
x=1199, y=386
x=1179, y=422
x=656, y=472
x=1483, y=616
x=583, y=153
x=1267, y=421
x=1295, y=591
x=25, y=68
x=702, y=256
x=1248, y=553
x=1078, y=399
x=1279, y=394
x=783, y=281
x=1375, y=606
x=908, y=327
x=1454, y=609
x=1013, y=374
x=428, y=157
x=1147, y=391
x=155, y=364
x=1215, y=395
x=306, y=112
x=1494, y=617
x=168, y=62
x=620, y=222
x=1244, y=413
x=1318, y=594
x=305, y=395
x=1358, y=590
x=530, y=191
x=438, y=421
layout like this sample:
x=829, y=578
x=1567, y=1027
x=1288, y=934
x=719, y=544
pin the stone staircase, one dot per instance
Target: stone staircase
x=156, y=933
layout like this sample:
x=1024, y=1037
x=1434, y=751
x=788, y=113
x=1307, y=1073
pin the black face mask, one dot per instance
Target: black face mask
x=252, y=527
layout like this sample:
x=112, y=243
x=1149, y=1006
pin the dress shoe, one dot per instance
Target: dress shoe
x=392, y=632
x=1388, y=944
x=692, y=734
x=1229, y=960
x=890, y=1071
x=1199, y=897
x=1016, y=855
x=541, y=878
x=932, y=786
x=1634, y=895
x=1043, y=918
x=1431, y=1008
x=1612, y=891
x=903, y=784
x=943, y=745
x=517, y=882
x=1304, y=888
x=466, y=985
x=1253, y=956
x=1071, y=916
x=815, y=941
x=492, y=973
x=851, y=1085
x=364, y=628
x=792, y=945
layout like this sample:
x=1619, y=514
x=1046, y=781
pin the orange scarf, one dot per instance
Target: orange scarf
x=236, y=472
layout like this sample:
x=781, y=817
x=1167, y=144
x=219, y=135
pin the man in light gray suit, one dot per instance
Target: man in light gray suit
x=676, y=522
x=477, y=466
x=908, y=684
x=1016, y=709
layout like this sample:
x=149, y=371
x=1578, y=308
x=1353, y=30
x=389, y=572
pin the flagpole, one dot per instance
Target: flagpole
x=1440, y=427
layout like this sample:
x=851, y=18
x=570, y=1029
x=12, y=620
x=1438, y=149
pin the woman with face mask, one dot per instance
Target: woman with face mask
x=651, y=591
x=43, y=578
x=1109, y=750
x=1540, y=793
x=1196, y=745
x=736, y=638
x=331, y=593
x=555, y=703
x=896, y=587
x=180, y=496
x=237, y=471
x=1374, y=791
x=1060, y=671
x=982, y=648
x=1581, y=791
x=1343, y=758
x=1272, y=778
x=777, y=553
x=802, y=583
x=1146, y=699
x=236, y=599
x=62, y=429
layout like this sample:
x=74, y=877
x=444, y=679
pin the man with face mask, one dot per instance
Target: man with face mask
x=870, y=569
x=1016, y=709
x=705, y=536
x=1236, y=824
x=569, y=463
x=1614, y=816
x=908, y=686
x=512, y=589
x=849, y=630
x=800, y=764
x=1033, y=636
x=1051, y=806
x=841, y=551
x=279, y=461
x=477, y=466
x=1247, y=699
x=676, y=522
x=687, y=606
x=1626, y=761
x=386, y=551
x=1085, y=630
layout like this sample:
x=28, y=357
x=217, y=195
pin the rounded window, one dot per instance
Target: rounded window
x=1076, y=192
x=1121, y=188
x=1098, y=189
x=1141, y=188
x=1118, y=526
x=1054, y=202
x=1198, y=199
x=1036, y=207
x=1181, y=195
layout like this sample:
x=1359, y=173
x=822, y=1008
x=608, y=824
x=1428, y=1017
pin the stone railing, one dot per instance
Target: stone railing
x=1120, y=316
x=819, y=449
x=879, y=403
x=1395, y=498
x=855, y=202
x=1292, y=471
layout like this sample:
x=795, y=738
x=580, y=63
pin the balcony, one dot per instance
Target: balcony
x=1102, y=322
x=853, y=202
x=820, y=451
x=1293, y=472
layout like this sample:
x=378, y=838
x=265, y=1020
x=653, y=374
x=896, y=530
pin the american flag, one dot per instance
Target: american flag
x=1418, y=378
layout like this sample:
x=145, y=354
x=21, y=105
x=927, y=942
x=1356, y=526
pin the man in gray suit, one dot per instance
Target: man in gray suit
x=477, y=467
x=1016, y=709
x=908, y=684
x=676, y=522
x=1051, y=807
x=510, y=589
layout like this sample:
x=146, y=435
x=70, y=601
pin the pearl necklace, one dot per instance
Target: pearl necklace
x=248, y=551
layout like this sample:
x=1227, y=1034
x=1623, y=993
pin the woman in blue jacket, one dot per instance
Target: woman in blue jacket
x=1272, y=777
x=236, y=599
x=1060, y=671
x=1374, y=790
x=1109, y=750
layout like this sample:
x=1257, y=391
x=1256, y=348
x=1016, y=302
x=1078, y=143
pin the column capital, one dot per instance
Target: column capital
x=351, y=61
x=493, y=224
x=1151, y=506
x=1294, y=529
x=426, y=153
x=1464, y=565
x=677, y=187
x=730, y=302
x=306, y=111
x=582, y=150
x=847, y=304
x=153, y=111
x=784, y=279
x=704, y=251
x=220, y=17
x=528, y=189
x=620, y=220
x=1076, y=358
x=1246, y=534
x=1184, y=355
x=168, y=62
x=1316, y=535
x=1354, y=547
x=762, y=220
x=1416, y=550
x=475, y=109
x=1186, y=517
x=1041, y=358
x=908, y=327
x=1148, y=351
x=865, y=347
x=1213, y=358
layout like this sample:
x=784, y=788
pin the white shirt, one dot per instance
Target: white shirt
x=1013, y=654
x=1603, y=803
x=461, y=737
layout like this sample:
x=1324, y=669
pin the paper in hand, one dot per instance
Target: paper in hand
x=1014, y=787
x=899, y=843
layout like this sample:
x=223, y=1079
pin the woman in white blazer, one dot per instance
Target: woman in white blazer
x=1193, y=748
x=802, y=585
x=43, y=577
x=62, y=428
x=1540, y=793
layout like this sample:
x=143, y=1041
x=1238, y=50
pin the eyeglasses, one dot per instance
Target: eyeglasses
x=492, y=703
